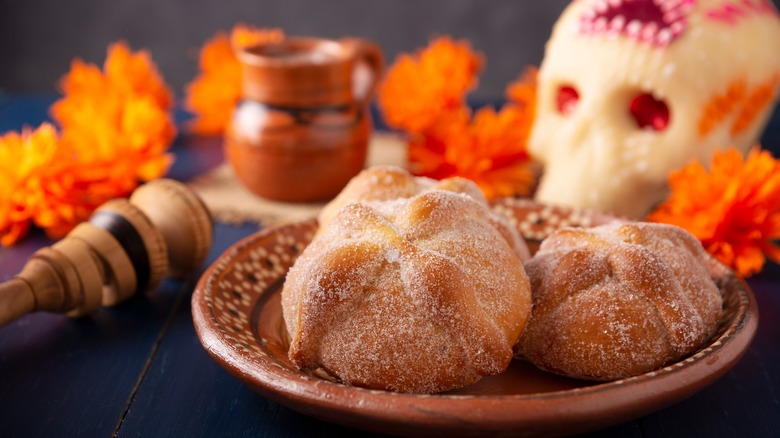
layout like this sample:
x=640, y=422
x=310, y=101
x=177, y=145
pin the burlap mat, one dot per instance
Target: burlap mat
x=230, y=202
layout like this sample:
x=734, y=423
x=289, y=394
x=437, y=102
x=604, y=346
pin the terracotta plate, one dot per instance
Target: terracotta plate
x=238, y=317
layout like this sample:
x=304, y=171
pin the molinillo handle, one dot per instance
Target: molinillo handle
x=126, y=246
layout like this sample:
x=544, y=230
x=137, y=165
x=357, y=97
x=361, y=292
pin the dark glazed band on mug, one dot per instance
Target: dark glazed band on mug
x=306, y=115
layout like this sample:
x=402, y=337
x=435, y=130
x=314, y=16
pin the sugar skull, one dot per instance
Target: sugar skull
x=630, y=90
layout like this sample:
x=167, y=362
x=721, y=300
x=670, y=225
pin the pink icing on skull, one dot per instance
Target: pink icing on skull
x=657, y=22
x=732, y=12
x=621, y=105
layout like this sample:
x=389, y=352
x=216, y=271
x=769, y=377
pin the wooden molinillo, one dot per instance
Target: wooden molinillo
x=127, y=246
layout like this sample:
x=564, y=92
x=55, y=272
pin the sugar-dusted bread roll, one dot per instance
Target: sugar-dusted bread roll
x=418, y=294
x=384, y=183
x=618, y=300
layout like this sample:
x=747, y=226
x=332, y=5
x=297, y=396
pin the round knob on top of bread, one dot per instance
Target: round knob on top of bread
x=385, y=183
x=618, y=300
x=417, y=294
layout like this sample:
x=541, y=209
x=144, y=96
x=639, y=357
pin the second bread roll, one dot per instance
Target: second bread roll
x=618, y=300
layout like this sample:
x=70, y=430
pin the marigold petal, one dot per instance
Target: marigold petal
x=13, y=233
x=734, y=209
x=115, y=132
x=522, y=91
x=418, y=88
x=423, y=94
x=135, y=74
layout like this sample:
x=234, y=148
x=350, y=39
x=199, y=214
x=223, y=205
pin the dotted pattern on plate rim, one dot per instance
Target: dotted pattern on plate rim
x=536, y=222
x=246, y=274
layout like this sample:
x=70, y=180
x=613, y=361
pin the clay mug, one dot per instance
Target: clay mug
x=301, y=130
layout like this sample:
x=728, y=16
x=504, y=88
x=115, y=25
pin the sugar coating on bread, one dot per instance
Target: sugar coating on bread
x=417, y=294
x=386, y=183
x=618, y=300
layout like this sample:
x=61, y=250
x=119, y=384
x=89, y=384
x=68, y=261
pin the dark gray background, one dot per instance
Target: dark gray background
x=38, y=38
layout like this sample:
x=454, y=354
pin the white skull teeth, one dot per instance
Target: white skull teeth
x=656, y=22
x=649, y=31
x=633, y=28
x=616, y=25
x=664, y=36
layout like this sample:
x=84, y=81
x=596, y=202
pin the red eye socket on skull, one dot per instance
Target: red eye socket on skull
x=649, y=112
x=567, y=99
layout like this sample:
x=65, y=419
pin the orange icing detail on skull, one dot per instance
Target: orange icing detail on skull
x=738, y=98
x=758, y=100
x=719, y=107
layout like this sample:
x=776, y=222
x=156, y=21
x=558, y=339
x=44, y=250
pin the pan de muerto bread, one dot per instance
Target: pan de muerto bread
x=618, y=300
x=421, y=294
x=385, y=183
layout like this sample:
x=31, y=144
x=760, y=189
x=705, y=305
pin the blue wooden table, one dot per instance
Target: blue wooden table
x=139, y=370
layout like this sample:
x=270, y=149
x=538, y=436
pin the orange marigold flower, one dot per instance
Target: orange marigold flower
x=427, y=152
x=214, y=93
x=116, y=130
x=40, y=183
x=424, y=95
x=489, y=149
x=417, y=89
x=117, y=120
x=135, y=74
x=734, y=209
x=124, y=74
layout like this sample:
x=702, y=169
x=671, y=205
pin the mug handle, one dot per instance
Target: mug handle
x=365, y=53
